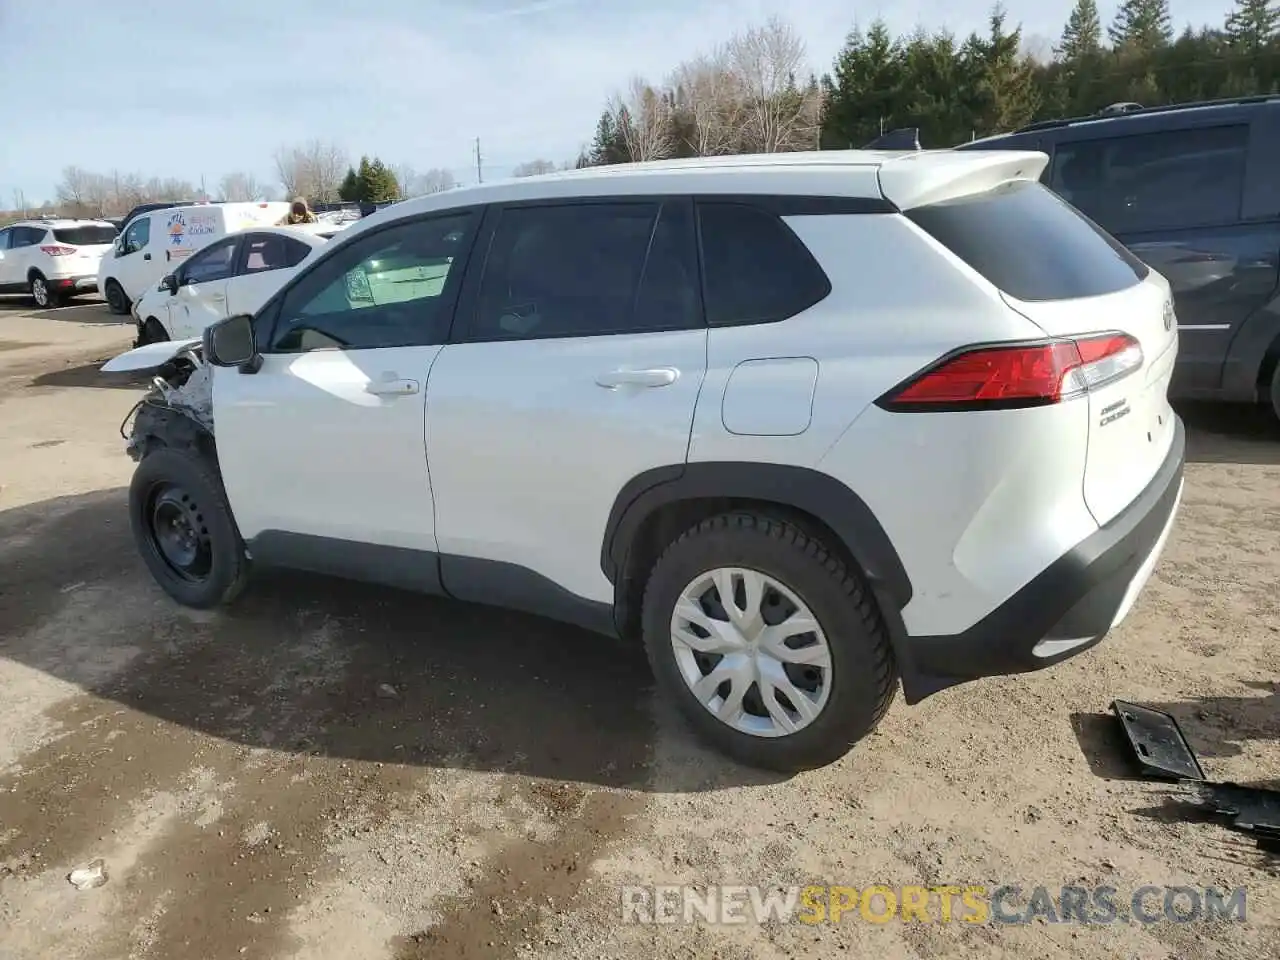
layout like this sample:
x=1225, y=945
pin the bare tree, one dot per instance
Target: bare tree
x=644, y=116
x=313, y=170
x=74, y=190
x=712, y=96
x=534, y=168
x=435, y=180
x=240, y=186
x=779, y=114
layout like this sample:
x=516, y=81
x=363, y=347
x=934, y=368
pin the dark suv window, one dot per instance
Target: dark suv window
x=89, y=235
x=1151, y=181
x=755, y=270
x=588, y=269
x=1030, y=244
x=271, y=251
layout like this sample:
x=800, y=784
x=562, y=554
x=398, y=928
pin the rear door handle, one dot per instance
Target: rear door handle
x=393, y=388
x=655, y=377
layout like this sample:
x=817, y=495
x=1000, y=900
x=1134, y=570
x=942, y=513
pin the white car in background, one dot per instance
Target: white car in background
x=236, y=274
x=53, y=259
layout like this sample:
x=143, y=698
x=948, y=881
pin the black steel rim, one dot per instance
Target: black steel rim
x=178, y=533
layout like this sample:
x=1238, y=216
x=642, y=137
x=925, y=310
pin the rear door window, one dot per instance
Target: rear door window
x=1152, y=181
x=271, y=251
x=1030, y=244
x=755, y=270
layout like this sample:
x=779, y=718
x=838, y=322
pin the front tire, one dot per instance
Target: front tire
x=794, y=670
x=153, y=331
x=184, y=529
x=117, y=302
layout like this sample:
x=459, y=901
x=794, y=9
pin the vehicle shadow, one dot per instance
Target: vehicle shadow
x=1230, y=433
x=83, y=309
x=91, y=375
x=324, y=667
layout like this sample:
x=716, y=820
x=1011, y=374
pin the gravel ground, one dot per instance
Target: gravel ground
x=328, y=770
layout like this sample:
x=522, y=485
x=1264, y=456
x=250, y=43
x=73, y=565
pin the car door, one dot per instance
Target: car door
x=1174, y=197
x=131, y=267
x=322, y=449
x=202, y=292
x=262, y=267
x=576, y=365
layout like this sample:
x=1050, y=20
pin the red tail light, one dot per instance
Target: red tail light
x=58, y=251
x=1008, y=376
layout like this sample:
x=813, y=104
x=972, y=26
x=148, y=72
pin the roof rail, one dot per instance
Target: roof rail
x=1128, y=109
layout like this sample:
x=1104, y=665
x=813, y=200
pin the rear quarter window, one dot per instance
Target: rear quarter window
x=1030, y=243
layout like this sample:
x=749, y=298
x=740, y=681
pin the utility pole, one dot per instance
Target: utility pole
x=479, y=163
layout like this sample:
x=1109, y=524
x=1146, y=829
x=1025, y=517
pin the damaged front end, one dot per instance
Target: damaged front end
x=177, y=410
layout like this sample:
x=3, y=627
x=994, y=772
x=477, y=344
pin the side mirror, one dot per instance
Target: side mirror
x=230, y=343
x=170, y=283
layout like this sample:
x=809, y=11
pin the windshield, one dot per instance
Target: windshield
x=87, y=236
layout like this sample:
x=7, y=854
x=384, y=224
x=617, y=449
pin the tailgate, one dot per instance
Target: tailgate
x=1130, y=421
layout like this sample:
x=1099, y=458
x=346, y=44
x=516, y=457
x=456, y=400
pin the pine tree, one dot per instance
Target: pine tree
x=377, y=184
x=350, y=188
x=1083, y=33
x=1253, y=24
x=1008, y=84
x=1142, y=25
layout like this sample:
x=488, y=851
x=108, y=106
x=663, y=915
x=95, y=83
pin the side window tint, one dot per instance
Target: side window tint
x=1151, y=181
x=212, y=263
x=28, y=236
x=137, y=236
x=755, y=270
x=579, y=270
x=389, y=289
x=266, y=251
x=295, y=252
x=4, y=239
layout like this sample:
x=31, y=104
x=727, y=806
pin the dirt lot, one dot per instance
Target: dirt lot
x=328, y=770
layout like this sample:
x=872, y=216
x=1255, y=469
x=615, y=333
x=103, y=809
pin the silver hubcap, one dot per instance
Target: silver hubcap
x=39, y=291
x=751, y=651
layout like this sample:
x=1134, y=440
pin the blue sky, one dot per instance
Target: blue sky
x=201, y=89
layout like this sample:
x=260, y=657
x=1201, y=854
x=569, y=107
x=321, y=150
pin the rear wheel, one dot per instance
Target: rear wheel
x=770, y=646
x=117, y=302
x=183, y=527
x=43, y=294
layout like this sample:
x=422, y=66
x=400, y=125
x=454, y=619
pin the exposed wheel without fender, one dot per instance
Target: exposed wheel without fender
x=184, y=528
x=771, y=646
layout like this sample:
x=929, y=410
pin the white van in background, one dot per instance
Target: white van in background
x=155, y=243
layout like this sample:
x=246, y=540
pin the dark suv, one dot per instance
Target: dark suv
x=1194, y=190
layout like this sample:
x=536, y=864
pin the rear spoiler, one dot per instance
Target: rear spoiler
x=931, y=176
x=904, y=138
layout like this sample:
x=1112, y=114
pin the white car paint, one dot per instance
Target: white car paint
x=501, y=455
x=148, y=357
x=65, y=253
x=186, y=312
x=155, y=243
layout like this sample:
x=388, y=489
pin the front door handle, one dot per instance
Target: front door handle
x=655, y=377
x=392, y=388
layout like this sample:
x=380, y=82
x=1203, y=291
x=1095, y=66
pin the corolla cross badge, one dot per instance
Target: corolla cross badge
x=1168, y=315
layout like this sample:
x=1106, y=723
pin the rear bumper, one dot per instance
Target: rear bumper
x=1067, y=608
x=74, y=284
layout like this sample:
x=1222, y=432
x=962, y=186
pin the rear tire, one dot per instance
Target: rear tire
x=44, y=295
x=117, y=302
x=801, y=580
x=184, y=529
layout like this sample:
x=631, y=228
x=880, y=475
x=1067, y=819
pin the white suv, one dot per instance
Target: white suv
x=808, y=424
x=53, y=259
